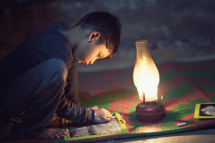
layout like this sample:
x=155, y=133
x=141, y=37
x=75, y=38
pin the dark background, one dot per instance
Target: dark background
x=176, y=29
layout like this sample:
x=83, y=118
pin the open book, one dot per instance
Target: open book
x=115, y=126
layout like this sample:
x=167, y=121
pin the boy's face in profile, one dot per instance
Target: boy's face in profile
x=88, y=52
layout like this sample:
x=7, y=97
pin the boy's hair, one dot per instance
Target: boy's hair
x=107, y=24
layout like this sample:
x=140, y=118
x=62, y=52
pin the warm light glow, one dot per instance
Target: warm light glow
x=146, y=76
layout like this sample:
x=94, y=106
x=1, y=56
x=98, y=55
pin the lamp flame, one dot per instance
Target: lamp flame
x=145, y=76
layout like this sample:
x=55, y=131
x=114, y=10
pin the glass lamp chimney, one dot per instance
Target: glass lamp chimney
x=145, y=75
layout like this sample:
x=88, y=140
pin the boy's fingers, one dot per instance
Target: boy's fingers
x=95, y=107
x=102, y=115
x=106, y=120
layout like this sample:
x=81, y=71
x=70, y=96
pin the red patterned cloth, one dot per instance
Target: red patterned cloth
x=183, y=85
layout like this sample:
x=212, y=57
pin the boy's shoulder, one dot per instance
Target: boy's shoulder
x=56, y=26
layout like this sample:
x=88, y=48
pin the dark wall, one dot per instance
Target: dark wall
x=151, y=19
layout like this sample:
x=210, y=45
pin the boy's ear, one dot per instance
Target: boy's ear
x=93, y=36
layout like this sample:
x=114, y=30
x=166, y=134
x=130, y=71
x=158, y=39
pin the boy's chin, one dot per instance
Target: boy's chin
x=84, y=63
x=81, y=62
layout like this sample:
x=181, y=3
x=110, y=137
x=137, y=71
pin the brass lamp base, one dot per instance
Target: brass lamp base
x=150, y=111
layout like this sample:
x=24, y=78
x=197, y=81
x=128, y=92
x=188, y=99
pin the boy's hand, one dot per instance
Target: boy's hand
x=94, y=107
x=102, y=115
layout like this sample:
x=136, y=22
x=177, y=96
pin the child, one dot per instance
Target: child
x=38, y=80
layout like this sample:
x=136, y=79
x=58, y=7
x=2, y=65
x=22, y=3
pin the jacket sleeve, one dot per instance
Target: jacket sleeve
x=71, y=89
x=69, y=106
x=75, y=113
